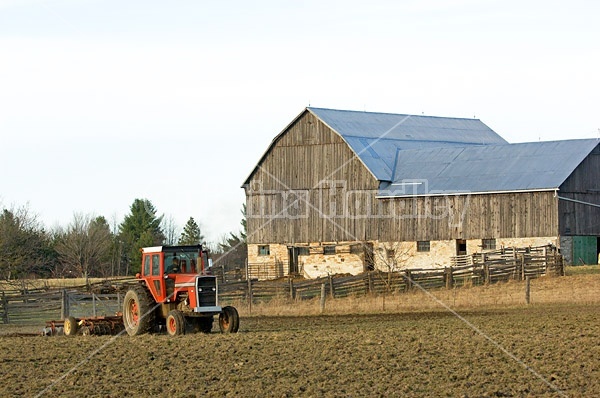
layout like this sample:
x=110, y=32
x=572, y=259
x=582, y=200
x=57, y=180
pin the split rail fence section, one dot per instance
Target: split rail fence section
x=17, y=306
x=39, y=307
x=476, y=269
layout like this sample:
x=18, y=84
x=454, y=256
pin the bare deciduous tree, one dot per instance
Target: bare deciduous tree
x=170, y=230
x=389, y=258
x=85, y=245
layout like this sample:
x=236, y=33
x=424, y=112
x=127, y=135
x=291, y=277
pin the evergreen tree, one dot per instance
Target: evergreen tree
x=25, y=248
x=140, y=228
x=191, y=234
x=244, y=231
x=233, y=247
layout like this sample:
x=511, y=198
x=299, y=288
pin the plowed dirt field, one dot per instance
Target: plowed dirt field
x=536, y=351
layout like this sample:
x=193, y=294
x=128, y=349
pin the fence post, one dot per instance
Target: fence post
x=449, y=277
x=291, y=288
x=486, y=274
x=64, y=307
x=527, y=289
x=370, y=282
x=546, y=260
x=331, y=291
x=408, y=277
x=249, y=295
x=24, y=292
x=518, y=272
x=522, y=259
x=561, y=264
x=322, y=297
x=94, y=305
x=5, y=307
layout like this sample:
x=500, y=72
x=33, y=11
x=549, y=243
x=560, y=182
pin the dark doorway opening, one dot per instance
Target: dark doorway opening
x=368, y=256
x=461, y=247
x=293, y=260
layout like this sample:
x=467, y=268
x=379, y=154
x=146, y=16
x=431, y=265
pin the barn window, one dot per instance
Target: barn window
x=263, y=250
x=328, y=249
x=357, y=249
x=303, y=251
x=423, y=246
x=488, y=244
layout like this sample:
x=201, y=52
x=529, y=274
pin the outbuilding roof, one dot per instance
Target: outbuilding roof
x=491, y=168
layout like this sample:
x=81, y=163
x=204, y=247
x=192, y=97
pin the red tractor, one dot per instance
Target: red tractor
x=177, y=293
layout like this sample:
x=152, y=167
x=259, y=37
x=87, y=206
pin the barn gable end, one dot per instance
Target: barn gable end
x=294, y=192
x=579, y=212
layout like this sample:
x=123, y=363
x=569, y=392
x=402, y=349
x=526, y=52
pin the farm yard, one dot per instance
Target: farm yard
x=357, y=199
x=499, y=348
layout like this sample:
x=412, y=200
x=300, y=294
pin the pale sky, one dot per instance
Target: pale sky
x=103, y=101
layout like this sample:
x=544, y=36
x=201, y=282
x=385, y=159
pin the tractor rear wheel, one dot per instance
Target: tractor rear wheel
x=138, y=314
x=70, y=327
x=229, y=320
x=175, y=323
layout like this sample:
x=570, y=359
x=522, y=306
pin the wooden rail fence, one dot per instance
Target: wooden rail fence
x=269, y=270
x=491, y=267
x=57, y=304
x=471, y=270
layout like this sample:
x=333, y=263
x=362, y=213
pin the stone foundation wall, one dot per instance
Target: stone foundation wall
x=277, y=252
x=344, y=261
x=566, y=249
x=393, y=256
x=524, y=242
x=271, y=266
x=350, y=257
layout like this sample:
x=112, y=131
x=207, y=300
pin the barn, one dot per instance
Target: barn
x=344, y=192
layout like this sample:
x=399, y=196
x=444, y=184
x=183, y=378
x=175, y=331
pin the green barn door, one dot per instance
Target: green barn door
x=585, y=250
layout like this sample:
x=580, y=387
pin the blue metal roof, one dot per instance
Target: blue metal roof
x=490, y=168
x=377, y=137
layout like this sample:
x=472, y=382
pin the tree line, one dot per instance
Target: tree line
x=90, y=247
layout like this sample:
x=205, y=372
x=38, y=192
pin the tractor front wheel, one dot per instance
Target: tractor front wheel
x=70, y=327
x=175, y=323
x=229, y=320
x=138, y=314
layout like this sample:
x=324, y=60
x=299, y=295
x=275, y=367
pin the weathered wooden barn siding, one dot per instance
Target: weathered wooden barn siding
x=584, y=185
x=311, y=162
x=470, y=217
x=308, y=159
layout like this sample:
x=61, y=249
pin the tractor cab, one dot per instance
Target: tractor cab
x=173, y=274
x=185, y=260
x=161, y=260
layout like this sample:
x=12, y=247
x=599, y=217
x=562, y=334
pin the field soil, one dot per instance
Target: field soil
x=542, y=350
